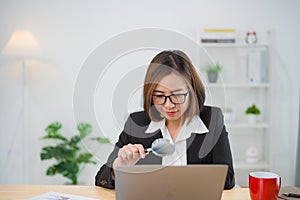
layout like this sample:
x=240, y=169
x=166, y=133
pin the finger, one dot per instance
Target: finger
x=141, y=150
x=129, y=154
x=134, y=152
x=138, y=148
x=136, y=156
x=122, y=154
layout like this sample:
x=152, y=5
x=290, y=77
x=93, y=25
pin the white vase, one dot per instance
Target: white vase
x=252, y=118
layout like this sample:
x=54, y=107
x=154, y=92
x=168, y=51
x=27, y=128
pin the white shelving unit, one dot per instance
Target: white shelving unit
x=236, y=85
x=246, y=125
x=233, y=91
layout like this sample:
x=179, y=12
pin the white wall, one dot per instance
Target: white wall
x=68, y=31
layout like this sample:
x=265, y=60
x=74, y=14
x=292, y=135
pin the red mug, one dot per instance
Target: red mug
x=264, y=185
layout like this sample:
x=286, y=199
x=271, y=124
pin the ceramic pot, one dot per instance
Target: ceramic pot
x=252, y=119
x=212, y=77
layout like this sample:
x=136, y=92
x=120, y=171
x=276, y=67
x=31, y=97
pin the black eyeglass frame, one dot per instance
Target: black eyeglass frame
x=169, y=97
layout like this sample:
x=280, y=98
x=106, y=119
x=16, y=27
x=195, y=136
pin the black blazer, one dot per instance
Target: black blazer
x=209, y=148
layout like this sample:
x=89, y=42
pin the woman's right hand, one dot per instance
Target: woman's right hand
x=129, y=155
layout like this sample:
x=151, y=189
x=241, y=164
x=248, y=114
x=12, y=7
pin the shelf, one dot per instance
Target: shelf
x=232, y=45
x=244, y=165
x=236, y=85
x=237, y=92
x=244, y=125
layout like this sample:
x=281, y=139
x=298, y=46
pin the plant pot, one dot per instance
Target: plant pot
x=252, y=119
x=212, y=77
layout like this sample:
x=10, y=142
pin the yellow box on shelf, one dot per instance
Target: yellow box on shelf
x=216, y=35
x=217, y=30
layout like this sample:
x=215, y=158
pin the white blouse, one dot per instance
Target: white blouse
x=179, y=156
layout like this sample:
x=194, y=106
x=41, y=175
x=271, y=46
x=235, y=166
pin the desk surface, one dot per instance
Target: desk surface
x=8, y=192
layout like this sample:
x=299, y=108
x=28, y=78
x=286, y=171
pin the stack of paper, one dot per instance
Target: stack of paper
x=59, y=196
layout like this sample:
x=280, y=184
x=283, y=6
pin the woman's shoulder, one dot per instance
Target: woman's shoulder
x=210, y=109
x=140, y=118
x=210, y=113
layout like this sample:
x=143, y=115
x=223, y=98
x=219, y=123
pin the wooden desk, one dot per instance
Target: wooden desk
x=15, y=192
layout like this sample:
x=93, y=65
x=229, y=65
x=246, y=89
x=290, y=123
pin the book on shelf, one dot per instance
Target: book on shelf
x=218, y=40
x=218, y=36
x=257, y=66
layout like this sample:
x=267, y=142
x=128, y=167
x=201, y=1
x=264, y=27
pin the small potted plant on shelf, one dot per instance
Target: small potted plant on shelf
x=212, y=71
x=67, y=153
x=252, y=112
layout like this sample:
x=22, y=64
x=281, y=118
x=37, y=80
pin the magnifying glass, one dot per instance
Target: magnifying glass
x=161, y=147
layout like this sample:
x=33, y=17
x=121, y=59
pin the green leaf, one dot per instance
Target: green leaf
x=68, y=169
x=84, y=129
x=74, y=140
x=252, y=110
x=51, y=171
x=53, y=127
x=59, y=152
x=85, y=158
x=214, y=68
x=52, y=132
x=101, y=140
x=55, y=136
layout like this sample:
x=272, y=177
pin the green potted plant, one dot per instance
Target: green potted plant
x=252, y=112
x=212, y=71
x=67, y=152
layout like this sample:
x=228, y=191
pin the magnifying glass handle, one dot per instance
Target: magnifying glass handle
x=148, y=150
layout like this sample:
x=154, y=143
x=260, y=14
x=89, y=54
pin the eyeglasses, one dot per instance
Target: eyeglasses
x=159, y=99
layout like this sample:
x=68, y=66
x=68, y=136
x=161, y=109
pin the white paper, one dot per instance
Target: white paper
x=59, y=196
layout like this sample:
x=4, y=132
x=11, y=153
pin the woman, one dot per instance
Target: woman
x=174, y=109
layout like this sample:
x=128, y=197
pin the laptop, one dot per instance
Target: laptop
x=170, y=182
